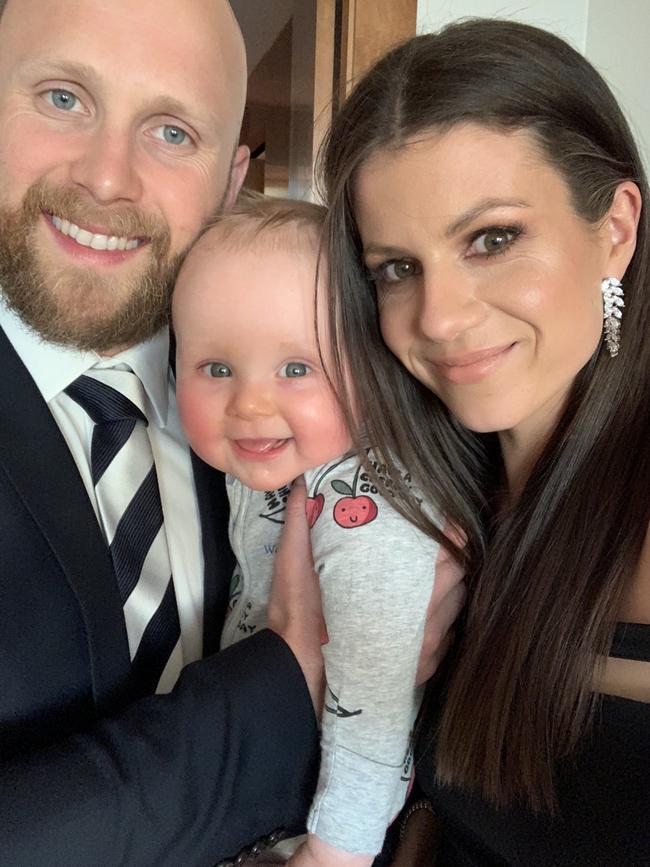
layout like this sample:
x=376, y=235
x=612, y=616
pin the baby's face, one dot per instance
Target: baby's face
x=252, y=393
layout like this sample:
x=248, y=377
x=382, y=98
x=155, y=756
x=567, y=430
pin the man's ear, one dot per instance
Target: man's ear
x=238, y=169
x=620, y=228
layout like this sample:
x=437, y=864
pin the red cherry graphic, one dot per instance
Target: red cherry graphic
x=313, y=508
x=355, y=511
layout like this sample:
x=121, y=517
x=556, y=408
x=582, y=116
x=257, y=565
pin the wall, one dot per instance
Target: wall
x=259, y=35
x=618, y=44
x=613, y=34
x=567, y=18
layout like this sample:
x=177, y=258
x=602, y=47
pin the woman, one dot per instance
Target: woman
x=486, y=203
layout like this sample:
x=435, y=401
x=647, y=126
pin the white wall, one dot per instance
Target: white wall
x=613, y=34
x=567, y=18
x=618, y=44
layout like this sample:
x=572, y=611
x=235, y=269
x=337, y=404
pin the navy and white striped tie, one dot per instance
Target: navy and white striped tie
x=130, y=511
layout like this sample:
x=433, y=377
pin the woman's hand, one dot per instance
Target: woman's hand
x=295, y=609
x=446, y=602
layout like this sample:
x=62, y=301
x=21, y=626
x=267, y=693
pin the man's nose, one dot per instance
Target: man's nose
x=250, y=401
x=106, y=167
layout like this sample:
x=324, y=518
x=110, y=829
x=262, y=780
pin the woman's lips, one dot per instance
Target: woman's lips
x=259, y=449
x=473, y=366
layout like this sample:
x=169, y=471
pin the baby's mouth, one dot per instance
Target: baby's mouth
x=261, y=446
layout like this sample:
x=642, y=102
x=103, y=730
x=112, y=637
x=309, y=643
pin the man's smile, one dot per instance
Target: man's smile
x=95, y=240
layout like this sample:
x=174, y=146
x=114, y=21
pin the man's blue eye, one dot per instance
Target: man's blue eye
x=63, y=99
x=295, y=369
x=174, y=135
x=217, y=370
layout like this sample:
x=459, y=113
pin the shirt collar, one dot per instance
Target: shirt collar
x=54, y=367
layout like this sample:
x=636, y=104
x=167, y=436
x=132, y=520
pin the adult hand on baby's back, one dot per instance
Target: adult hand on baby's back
x=295, y=610
x=446, y=602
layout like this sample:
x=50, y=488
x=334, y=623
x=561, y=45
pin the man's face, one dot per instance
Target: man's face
x=119, y=121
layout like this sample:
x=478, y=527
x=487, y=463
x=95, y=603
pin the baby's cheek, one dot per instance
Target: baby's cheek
x=329, y=443
x=196, y=417
x=325, y=435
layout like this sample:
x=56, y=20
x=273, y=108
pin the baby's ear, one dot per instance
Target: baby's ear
x=620, y=228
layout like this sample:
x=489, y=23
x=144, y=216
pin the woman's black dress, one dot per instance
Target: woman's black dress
x=604, y=795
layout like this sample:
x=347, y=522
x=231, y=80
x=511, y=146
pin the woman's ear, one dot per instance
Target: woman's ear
x=620, y=227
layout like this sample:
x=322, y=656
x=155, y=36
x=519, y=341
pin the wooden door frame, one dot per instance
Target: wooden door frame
x=351, y=35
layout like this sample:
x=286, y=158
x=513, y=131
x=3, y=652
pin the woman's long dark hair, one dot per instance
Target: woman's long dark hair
x=546, y=578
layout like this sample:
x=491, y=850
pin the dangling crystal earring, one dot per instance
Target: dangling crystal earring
x=612, y=302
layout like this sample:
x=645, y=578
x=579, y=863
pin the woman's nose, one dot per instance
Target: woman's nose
x=449, y=305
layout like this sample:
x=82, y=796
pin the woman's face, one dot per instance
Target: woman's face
x=488, y=283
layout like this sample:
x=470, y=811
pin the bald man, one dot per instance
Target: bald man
x=120, y=123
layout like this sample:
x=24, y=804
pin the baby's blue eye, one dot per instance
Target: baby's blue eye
x=174, y=135
x=294, y=369
x=217, y=370
x=63, y=99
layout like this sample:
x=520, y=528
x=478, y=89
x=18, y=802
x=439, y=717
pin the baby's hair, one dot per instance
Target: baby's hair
x=280, y=221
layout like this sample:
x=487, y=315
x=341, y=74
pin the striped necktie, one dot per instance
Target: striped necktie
x=130, y=511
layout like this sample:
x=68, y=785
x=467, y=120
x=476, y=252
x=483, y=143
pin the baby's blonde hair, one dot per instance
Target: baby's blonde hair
x=283, y=222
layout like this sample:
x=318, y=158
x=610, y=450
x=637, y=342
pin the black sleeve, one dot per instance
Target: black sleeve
x=180, y=780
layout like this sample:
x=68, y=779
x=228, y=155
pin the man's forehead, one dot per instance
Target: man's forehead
x=206, y=29
x=174, y=47
x=212, y=20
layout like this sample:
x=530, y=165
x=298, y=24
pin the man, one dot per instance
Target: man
x=120, y=123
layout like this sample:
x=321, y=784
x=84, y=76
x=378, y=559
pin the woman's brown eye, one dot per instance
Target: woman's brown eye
x=404, y=269
x=496, y=239
x=399, y=269
x=492, y=241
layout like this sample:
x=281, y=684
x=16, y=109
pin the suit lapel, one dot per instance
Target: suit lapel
x=219, y=560
x=36, y=459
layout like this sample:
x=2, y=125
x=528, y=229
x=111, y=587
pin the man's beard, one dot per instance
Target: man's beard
x=78, y=305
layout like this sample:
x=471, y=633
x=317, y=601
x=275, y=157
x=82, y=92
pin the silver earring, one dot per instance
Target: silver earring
x=612, y=302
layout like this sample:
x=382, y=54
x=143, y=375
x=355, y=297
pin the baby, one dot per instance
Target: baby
x=256, y=402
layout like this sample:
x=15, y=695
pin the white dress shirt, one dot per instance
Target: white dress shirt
x=53, y=368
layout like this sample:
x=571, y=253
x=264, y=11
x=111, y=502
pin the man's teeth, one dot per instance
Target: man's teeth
x=94, y=241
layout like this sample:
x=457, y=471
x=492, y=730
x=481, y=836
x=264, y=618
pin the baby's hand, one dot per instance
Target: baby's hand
x=316, y=853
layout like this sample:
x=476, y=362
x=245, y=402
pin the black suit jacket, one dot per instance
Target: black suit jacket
x=91, y=774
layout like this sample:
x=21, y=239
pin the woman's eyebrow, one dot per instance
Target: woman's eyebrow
x=458, y=225
x=385, y=250
x=478, y=210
